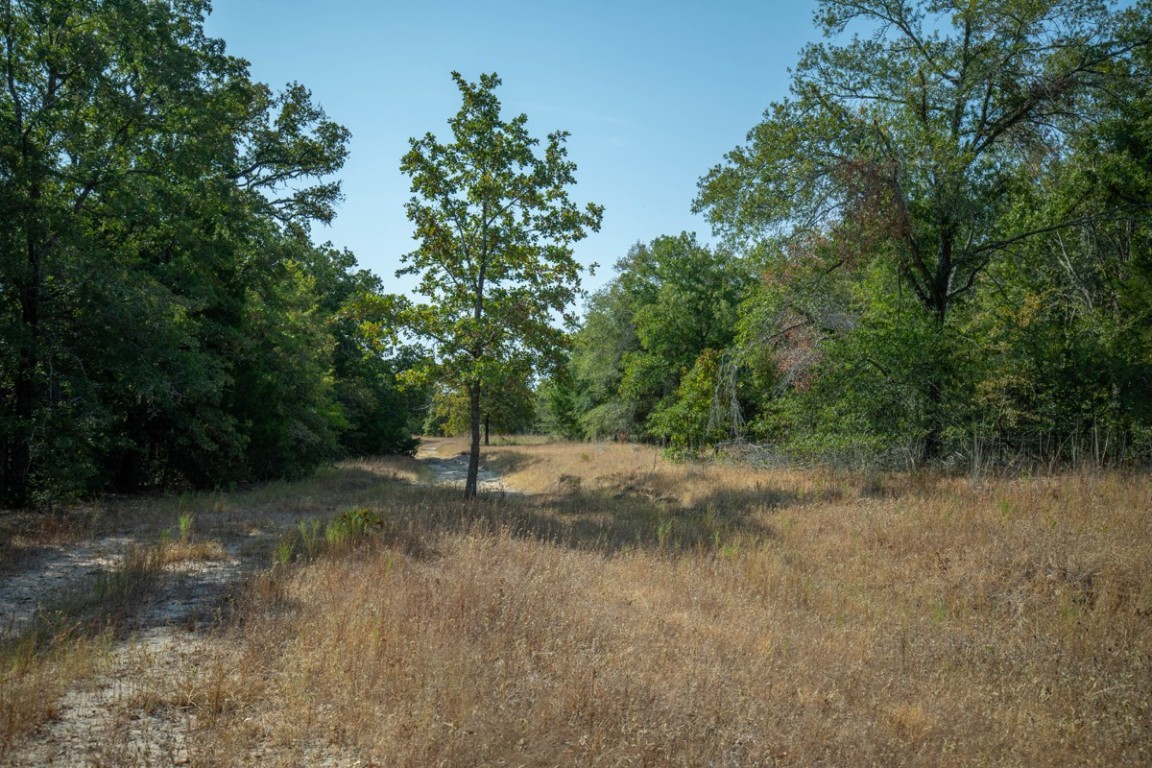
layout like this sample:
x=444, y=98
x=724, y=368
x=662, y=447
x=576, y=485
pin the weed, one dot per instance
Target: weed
x=310, y=535
x=350, y=527
x=285, y=551
x=337, y=534
x=361, y=520
x=185, y=522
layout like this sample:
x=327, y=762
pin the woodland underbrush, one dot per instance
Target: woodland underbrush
x=610, y=608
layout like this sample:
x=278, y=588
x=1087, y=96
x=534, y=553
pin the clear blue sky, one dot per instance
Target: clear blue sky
x=653, y=95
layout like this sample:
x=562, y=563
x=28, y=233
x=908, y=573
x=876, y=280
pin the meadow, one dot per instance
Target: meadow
x=605, y=607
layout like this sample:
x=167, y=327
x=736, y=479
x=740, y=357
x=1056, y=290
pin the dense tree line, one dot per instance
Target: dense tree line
x=937, y=247
x=164, y=315
x=644, y=362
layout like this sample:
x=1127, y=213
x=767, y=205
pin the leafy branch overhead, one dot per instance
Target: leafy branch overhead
x=917, y=130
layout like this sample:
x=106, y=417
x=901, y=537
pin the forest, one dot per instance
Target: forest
x=936, y=251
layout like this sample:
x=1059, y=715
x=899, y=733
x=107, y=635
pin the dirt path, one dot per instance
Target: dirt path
x=190, y=587
x=448, y=465
x=104, y=720
x=51, y=570
x=454, y=471
x=187, y=591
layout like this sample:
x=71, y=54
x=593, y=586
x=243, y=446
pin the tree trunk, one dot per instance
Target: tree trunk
x=940, y=296
x=471, y=485
x=934, y=432
x=487, y=424
x=18, y=458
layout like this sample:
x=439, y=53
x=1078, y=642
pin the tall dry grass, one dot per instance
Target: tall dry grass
x=609, y=608
x=626, y=611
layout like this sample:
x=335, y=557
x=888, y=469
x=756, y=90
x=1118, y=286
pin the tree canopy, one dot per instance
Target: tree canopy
x=673, y=303
x=920, y=152
x=936, y=248
x=163, y=313
x=948, y=220
x=912, y=136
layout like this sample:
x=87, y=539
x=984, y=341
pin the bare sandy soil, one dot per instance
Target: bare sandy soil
x=172, y=640
x=452, y=468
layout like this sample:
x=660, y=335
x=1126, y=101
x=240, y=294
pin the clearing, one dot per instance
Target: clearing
x=615, y=609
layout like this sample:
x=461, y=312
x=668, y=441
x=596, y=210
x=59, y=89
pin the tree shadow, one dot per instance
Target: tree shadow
x=607, y=515
x=605, y=519
x=508, y=462
x=611, y=519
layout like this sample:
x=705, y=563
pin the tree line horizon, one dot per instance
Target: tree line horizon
x=934, y=251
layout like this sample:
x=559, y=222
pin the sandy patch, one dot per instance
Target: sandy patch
x=132, y=713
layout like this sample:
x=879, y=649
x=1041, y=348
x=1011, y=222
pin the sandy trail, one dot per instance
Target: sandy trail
x=170, y=638
x=454, y=471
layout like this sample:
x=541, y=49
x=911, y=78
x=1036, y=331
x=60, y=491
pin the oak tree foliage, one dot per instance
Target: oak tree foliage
x=495, y=226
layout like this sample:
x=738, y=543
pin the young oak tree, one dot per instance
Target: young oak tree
x=496, y=228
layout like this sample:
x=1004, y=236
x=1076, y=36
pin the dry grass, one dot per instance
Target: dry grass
x=35, y=676
x=619, y=610
x=68, y=641
x=631, y=612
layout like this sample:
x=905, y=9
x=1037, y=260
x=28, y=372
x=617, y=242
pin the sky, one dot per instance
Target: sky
x=653, y=95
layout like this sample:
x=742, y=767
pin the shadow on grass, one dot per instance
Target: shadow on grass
x=606, y=520
x=507, y=462
x=609, y=519
x=623, y=512
x=157, y=580
x=108, y=602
